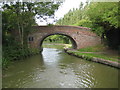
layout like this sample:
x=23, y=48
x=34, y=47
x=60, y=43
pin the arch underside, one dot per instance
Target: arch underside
x=74, y=44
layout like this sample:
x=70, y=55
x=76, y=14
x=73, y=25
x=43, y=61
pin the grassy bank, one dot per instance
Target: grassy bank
x=100, y=52
x=91, y=55
x=56, y=45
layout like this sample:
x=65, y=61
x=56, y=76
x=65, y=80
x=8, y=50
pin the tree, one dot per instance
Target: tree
x=104, y=17
x=21, y=16
x=101, y=17
x=17, y=20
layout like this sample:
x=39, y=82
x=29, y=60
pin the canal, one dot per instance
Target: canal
x=53, y=68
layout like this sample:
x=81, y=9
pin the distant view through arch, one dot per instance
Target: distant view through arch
x=59, y=39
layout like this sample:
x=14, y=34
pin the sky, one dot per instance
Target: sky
x=63, y=9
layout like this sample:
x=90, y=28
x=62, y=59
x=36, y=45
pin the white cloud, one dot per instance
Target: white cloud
x=63, y=9
x=67, y=5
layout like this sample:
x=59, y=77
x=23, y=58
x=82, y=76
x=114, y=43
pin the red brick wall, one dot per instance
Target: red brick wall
x=81, y=35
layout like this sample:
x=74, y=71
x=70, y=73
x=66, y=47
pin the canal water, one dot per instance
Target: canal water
x=56, y=69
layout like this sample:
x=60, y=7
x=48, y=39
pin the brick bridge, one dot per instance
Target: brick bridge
x=80, y=37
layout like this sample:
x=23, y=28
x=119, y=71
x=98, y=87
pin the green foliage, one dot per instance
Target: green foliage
x=54, y=45
x=98, y=48
x=96, y=13
x=5, y=62
x=17, y=20
x=50, y=24
x=101, y=17
x=104, y=16
x=20, y=16
x=70, y=18
x=58, y=39
x=89, y=56
x=84, y=23
x=17, y=52
x=104, y=12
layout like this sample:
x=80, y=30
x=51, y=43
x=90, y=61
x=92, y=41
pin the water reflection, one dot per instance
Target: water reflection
x=51, y=56
x=56, y=69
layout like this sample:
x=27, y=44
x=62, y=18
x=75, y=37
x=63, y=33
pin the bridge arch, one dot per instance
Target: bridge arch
x=74, y=44
x=80, y=37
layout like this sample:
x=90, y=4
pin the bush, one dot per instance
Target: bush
x=5, y=62
x=16, y=52
x=84, y=23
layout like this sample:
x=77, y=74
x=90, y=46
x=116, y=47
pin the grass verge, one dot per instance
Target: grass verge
x=97, y=48
x=91, y=55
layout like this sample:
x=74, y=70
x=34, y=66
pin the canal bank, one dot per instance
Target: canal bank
x=93, y=57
